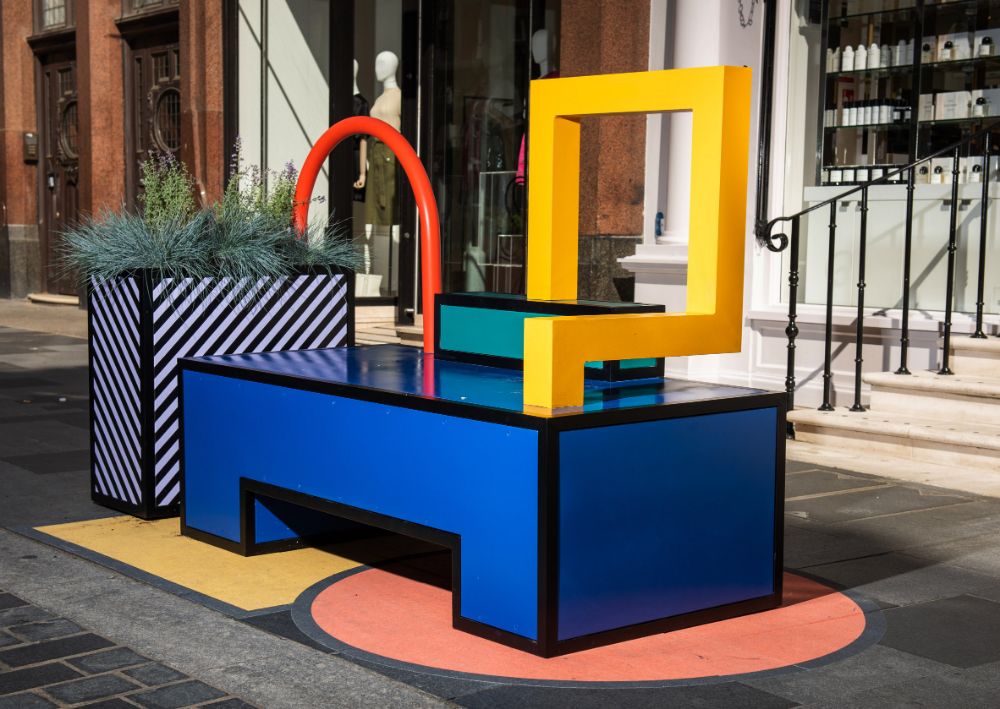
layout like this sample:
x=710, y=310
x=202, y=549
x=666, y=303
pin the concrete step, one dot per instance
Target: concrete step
x=412, y=335
x=952, y=398
x=967, y=479
x=378, y=334
x=962, y=444
x=976, y=356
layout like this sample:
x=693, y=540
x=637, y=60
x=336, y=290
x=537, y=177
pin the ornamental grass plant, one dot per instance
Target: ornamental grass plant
x=245, y=237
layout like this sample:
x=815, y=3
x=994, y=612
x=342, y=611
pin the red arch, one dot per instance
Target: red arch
x=430, y=230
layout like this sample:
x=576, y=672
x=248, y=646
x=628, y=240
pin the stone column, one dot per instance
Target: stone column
x=605, y=37
x=101, y=114
x=20, y=252
x=203, y=147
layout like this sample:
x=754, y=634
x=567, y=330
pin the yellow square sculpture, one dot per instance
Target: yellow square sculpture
x=557, y=348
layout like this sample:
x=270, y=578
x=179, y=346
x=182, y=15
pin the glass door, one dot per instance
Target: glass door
x=477, y=60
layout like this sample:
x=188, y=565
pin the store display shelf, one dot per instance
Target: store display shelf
x=971, y=120
x=963, y=65
x=872, y=126
x=836, y=19
x=876, y=73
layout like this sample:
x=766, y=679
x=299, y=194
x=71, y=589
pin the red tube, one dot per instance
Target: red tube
x=430, y=230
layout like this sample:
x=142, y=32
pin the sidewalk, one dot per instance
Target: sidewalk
x=924, y=562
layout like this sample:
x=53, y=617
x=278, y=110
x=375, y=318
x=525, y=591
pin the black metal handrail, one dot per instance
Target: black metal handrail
x=780, y=241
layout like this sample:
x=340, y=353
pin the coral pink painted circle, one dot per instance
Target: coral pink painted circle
x=408, y=621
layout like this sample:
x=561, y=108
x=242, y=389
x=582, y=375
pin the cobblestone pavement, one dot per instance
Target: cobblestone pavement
x=48, y=661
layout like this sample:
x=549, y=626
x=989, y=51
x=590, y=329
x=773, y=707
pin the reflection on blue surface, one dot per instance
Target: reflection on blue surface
x=407, y=370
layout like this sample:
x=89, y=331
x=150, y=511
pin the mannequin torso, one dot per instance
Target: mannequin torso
x=388, y=106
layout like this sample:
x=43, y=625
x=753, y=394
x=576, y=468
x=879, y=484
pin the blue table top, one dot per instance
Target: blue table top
x=407, y=371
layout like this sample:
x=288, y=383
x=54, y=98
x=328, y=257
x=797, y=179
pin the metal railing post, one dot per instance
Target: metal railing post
x=984, y=208
x=792, y=331
x=828, y=337
x=859, y=337
x=952, y=248
x=904, y=338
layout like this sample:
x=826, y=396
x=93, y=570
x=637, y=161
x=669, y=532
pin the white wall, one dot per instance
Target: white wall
x=296, y=33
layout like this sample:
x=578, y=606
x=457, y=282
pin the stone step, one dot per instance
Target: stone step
x=381, y=334
x=975, y=480
x=949, y=398
x=960, y=444
x=410, y=335
x=971, y=355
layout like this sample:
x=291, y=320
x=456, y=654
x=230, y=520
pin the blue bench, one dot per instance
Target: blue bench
x=656, y=506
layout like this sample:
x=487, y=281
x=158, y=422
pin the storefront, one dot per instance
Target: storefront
x=452, y=76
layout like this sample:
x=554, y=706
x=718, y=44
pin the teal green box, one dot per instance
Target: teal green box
x=488, y=328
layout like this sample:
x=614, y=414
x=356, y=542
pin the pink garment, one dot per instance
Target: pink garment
x=519, y=178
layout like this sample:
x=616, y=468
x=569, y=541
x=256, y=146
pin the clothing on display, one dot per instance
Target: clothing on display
x=380, y=200
x=361, y=108
x=520, y=154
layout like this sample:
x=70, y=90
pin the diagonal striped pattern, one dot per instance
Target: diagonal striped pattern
x=208, y=316
x=190, y=317
x=115, y=371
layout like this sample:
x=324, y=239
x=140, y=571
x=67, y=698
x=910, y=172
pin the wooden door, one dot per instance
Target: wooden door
x=154, y=117
x=61, y=168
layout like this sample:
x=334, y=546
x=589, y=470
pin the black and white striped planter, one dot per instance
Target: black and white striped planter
x=140, y=325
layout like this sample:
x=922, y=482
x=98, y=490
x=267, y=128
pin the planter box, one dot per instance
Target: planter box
x=140, y=325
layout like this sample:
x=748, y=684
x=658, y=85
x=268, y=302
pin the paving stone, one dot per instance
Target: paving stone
x=231, y=703
x=108, y=704
x=23, y=438
x=899, y=579
x=23, y=614
x=20, y=680
x=816, y=482
x=25, y=701
x=808, y=546
x=178, y=695
x=46, y=629
x=871, y=503
x=934, y=692
x=875, y=667
x=794, y=466
x=960, y=631
x=46, y=463
x=979, y=553
x=8, y=600
x=7, y=639
x=914, y=529
x=729, y=695
x=53, y=649
x=155, y=674
x=85, y=690
x=108, y=660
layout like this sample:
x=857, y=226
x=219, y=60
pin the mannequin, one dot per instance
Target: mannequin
x=380, y=198
x=541, y=51
x=361, y=108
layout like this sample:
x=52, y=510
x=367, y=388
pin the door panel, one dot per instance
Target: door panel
x=154, y=110
x=60, y=137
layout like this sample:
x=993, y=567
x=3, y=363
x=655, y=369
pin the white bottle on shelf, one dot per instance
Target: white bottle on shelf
x=847, y=59
x=900, y=58
x=860, y=57
x=885, y=58
x=874, y=56
x=909, y=52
